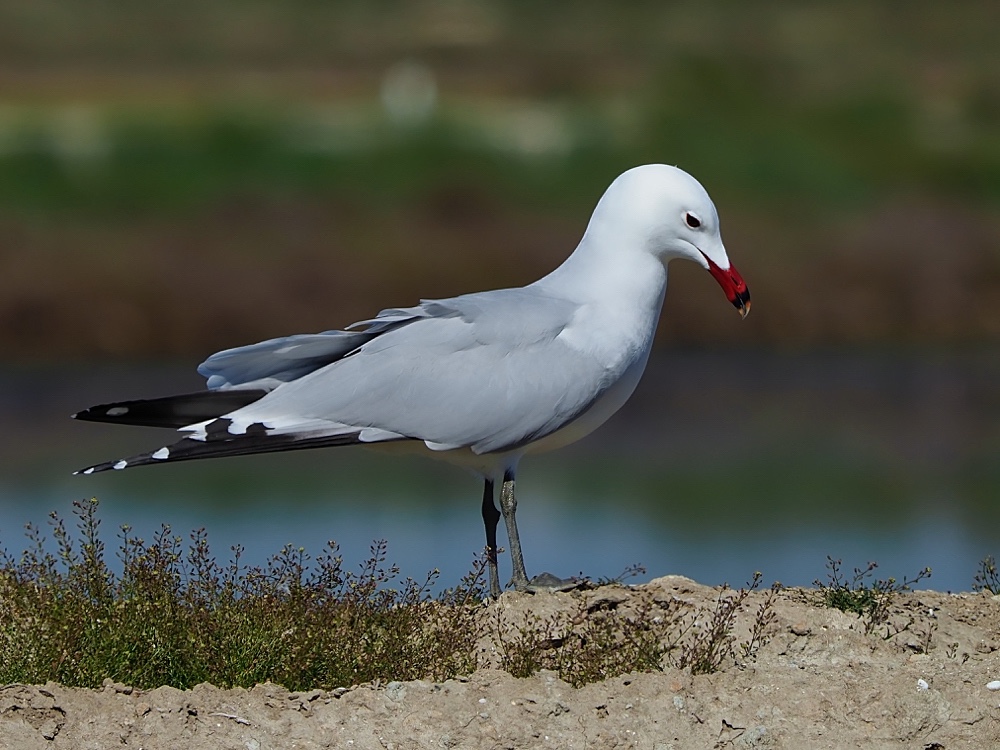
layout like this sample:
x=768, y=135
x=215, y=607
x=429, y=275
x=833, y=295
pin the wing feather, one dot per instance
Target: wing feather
x=485, y=373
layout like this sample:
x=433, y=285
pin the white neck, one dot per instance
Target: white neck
x=614, y=272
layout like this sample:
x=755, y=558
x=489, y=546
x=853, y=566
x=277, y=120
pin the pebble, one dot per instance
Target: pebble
x=995, y=685
x=755, y=737
x=395, y=691
x=800, y=628
x=607, y=598
x=922, y=684
x=118, y=687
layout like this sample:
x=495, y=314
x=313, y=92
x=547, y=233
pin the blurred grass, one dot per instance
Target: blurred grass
x=731, y=130
x=230, y=153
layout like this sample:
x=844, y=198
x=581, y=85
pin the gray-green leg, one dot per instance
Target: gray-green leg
x=491, y=517
x=508, y=506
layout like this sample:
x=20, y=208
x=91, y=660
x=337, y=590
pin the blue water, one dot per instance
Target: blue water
x=711, y=471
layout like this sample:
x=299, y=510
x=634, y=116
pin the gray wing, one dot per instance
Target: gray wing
x=268, y=364
x=487, y=371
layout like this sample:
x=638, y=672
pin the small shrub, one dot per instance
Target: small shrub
x=763, y=622
x=866, y=596
x=589, y=645
x=987, y=579
x=176, y=617
x=710, y=641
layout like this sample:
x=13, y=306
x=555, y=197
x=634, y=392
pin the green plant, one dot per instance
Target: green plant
x=709, y=640
x=864, y=595
x=598, y=642
x=987, y=579
x=174, y=616
x=762, y=622
x=591, y=643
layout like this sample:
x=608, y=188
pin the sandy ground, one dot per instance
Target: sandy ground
x=818, y=682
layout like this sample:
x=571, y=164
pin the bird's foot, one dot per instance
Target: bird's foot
x=546, y=583
x=518, y=583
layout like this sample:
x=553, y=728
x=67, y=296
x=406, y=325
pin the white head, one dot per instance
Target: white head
x=664, y=211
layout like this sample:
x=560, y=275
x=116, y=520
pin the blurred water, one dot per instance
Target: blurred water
x=722, y=464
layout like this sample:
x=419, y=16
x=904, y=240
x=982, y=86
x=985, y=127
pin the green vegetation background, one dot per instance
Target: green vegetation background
x=180, y=177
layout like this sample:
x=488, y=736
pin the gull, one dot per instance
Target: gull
x=479, y=380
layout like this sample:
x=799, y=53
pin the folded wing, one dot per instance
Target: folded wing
x=485, y=372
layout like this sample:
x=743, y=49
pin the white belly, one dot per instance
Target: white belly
x=494, y=464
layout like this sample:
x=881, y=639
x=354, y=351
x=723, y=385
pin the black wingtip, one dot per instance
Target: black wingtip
x=188, y=449
x=172, y=411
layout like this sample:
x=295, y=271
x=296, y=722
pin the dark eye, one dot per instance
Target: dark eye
x=692, y=221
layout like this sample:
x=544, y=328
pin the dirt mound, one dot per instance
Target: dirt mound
x=822, y=679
